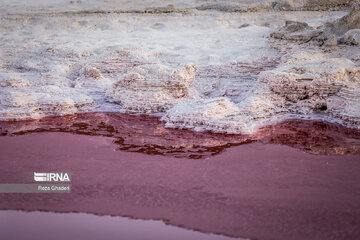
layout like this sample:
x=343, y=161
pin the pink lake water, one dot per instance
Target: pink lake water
x=202, y=185
x=60, y=226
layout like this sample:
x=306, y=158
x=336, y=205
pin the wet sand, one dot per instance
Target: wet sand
x=255, y=190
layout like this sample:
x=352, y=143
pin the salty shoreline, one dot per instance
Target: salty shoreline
x=149, y=135
x=256, y=191
x=229, y=72
x=237, y=117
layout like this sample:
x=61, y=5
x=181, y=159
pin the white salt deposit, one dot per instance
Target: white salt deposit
x=352, y=37
x=153, y=88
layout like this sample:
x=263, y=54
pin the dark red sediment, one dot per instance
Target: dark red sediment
x=147, y=134
x=316, y=137
x=132, y=133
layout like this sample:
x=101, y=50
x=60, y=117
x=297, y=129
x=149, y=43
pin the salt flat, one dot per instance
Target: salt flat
x=199, y=65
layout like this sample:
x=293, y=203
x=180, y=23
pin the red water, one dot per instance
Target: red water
x=60, y=226
x=254, y=190
x=147, y=134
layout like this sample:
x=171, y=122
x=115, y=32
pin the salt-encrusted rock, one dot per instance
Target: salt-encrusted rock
x=346, y=105
x=303, y=84
x=328, y=86
x=218, y=114
x=42, y=101
x=346, y=23
x=13, y=81
x=91, y=72
x=296, y=31
x=153, y=88
x=302, y=57
x=88, y=77
x=222, y=115
x=352, y=37
x=303, y=80
x=325, y=35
